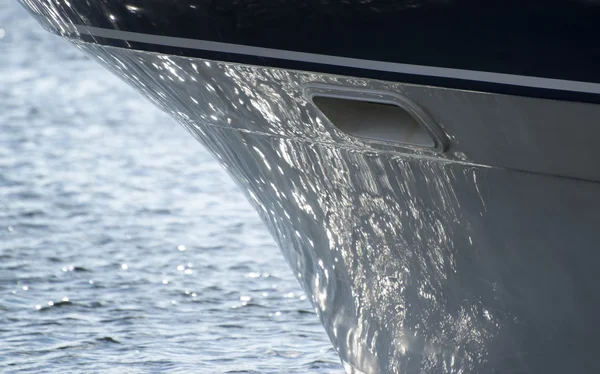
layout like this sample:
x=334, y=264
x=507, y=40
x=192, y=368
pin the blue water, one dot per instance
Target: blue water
x=124, y=247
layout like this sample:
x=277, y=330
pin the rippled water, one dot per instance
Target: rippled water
x=124, y=247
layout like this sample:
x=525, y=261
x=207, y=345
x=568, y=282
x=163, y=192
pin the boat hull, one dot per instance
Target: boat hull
x=480, y=258
x=522, y=47
x=414, y=263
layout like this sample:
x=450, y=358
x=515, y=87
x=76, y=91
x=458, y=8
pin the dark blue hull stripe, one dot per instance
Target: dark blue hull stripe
x=430, y=71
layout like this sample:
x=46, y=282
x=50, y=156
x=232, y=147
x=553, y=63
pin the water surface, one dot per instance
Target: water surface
x=124, y=247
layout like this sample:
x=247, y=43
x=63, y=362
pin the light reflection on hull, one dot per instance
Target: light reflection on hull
x=414, y=264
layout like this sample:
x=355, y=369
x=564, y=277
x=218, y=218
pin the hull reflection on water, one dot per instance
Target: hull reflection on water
x=481, y=259
x=415, y=263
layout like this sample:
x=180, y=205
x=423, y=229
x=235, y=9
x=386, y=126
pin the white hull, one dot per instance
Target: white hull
x=475, y=260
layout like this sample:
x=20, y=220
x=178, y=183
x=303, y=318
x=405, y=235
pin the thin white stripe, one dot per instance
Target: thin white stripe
x=480, y=76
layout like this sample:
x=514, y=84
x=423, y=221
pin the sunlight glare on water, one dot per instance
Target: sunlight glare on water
x=124, y=247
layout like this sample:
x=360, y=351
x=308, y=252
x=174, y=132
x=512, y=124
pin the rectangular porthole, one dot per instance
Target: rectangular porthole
x=378, y=121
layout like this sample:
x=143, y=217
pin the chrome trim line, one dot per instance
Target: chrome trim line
x=479, y=76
